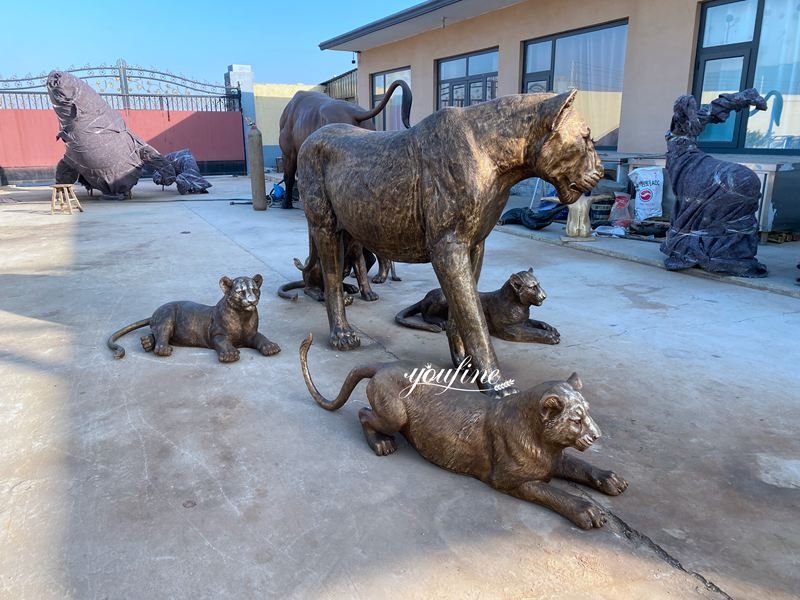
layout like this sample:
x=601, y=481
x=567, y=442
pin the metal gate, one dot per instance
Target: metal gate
x=165, y=109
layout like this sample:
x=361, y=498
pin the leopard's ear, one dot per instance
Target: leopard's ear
x=551, y=406
x=530, y=270
x=225, y=283
x=516, y=282
x=258, y=279
x=575, y=381
x=567, y=101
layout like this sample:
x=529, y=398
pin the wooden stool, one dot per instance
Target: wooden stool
x=62, y=198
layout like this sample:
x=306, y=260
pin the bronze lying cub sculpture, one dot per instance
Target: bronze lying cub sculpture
x=232, y=323
x=514, y=444
x=506, y=311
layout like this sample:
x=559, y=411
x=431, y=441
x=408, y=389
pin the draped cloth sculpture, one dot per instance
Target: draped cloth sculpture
x=713, y=224
x=183, y=172
x=99, y=148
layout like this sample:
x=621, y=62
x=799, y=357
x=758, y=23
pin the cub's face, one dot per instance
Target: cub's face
x=242, y=293
x=528, y=289
x=565, y=416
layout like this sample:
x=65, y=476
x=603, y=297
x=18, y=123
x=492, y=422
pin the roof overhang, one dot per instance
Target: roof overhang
x=427, y=16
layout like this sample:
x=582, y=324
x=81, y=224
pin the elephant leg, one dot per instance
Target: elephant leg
x=289, y=171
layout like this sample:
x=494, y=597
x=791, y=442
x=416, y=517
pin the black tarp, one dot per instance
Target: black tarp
x=98, y=145
x=182, y=170
x=713, y=224
x=102, y=152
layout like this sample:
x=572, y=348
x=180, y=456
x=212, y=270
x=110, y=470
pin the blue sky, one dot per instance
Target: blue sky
x=198, y=39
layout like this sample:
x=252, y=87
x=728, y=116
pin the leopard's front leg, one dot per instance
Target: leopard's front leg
x=263, y=344
x=226, y=351
x=580, y=471
x=583, y=513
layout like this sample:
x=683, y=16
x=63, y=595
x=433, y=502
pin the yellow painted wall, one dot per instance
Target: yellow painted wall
x=658, y=65
x=271, y=99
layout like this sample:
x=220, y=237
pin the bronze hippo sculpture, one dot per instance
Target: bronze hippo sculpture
x=433, y=193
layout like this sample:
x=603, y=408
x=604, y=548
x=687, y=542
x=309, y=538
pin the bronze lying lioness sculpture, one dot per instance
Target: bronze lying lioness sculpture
x=432, y=193
x=507, y=311
x=514, y=444
x=230, y=324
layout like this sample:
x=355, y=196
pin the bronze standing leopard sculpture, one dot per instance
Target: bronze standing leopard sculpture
x=433, y=193
x=514, y=444
x=507, y=311
x=232, y=323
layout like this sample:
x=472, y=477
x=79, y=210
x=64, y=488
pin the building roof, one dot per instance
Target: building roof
x=427, y=16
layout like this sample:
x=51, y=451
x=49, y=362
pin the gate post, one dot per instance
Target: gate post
x=242, y=75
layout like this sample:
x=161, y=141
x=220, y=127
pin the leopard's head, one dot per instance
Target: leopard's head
x=242, y=293
x=527, y=288
x=565, y=416
x=567, y=158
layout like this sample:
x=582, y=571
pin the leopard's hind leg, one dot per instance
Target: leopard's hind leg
x=162, y=332
x=386, y=417
x=148, y=342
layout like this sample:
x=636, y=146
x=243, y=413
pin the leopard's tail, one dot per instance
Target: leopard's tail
x=403, y=319
x=283, y=291
x=351, y=381
x=119, y=351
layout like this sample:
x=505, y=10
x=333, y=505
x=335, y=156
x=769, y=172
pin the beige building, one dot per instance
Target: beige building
x=270, y=100
x=630, y=59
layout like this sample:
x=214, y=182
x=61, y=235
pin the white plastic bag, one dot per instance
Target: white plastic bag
x=649, y=184
x=621, y=213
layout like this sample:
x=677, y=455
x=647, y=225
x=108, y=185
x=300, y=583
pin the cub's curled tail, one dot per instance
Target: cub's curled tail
x=119, y=351
x=350, y=382
x=415, y=309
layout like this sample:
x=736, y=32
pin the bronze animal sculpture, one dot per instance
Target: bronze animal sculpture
x=434, y=192
x=356, y=259
x=506, y=310
x=232, y=323
x=514, y=444
x=308, y=111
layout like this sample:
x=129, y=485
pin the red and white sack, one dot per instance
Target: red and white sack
x=649, y=184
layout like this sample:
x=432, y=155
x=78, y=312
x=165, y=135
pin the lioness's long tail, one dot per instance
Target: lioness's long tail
x=283, y=291
x=119, y=351
x=350, y=382
x=415, y=309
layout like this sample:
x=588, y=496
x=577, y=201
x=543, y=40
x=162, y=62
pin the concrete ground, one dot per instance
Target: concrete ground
x=181, y=477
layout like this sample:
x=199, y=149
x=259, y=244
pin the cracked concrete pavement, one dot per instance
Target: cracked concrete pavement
x=182, y=477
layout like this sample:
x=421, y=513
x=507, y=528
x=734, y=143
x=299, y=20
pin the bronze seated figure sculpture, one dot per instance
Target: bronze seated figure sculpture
x=433, y=193
x=507, y=311
x=713, y=223
x=232, y=323
x=515, y=444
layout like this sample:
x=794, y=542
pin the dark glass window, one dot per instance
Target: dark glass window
x=466, y=80
x=590, y=60
x=751, y=43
